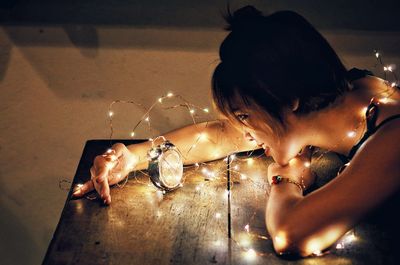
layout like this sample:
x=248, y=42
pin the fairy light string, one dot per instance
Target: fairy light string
x=227, y=174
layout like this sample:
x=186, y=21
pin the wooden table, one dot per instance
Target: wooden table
x=190, y=225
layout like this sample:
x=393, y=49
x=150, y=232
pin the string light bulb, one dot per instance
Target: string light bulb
x=170, y=94
x=351, y=134
x=206, y=110
x=110, y=113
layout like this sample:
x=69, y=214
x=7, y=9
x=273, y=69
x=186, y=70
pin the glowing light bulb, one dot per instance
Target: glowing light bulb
x=307, y=164
x=394, y=84
x=196, y=165
x=236, y=167
x=339, y=246
x=79, y=185
x=147, y=118
x=110, y=113
x=197, y=188
x=364, y=111
x=191, y=111
x=243, y=176
x=160, y=100
x=218, y=215
x=247, y=228
x=232, y=157
x=377, y=54
x=217, y=243
x=250, y=254
x=109, y=151
x=351, y=134
x=132, y=134
x=384, y=100
x=206, y=110
x=204, y=170
x=250, y=161
x=202, y=136
x=317, y=252
x=151, y=140
x=170, y=94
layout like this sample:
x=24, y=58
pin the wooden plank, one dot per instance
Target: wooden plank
x=190, y=225
x=142, y=226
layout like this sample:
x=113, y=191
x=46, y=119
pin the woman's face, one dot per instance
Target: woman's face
x=281, y=144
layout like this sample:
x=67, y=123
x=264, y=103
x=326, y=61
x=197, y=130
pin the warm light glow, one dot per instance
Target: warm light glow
x=191, y=111
x=160, y=100
x=232, y=157
x=109, y=151
x=307, y=164
x=349, y=237
x=206, y=110
x=147, y=119
x=79, y=185
x=351, y=134
x=217, y=243
x=132, y=134
x=250, y=161
x=314, y=247
x=377, y=54
x=247, y=228
x=151, y=139
x=109, y=166
x=170, y=94
x=236, y=167
x=243, y=176
x=317, y=253
x=218, y=215
x=364, y=111
x=280, y=241
x=383, y=100
x=110, y=113
x=339, y=246
x=250, y=254
x=394, y=84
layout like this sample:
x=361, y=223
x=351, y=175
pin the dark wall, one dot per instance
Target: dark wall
x=338, y=14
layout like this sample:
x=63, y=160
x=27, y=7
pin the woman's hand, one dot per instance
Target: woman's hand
x=108, y=169
x=298, y=169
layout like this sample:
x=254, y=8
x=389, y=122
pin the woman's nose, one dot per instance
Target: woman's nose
x=248, y=137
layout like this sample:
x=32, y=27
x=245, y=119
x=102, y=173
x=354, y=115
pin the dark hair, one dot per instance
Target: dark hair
x=273, y=60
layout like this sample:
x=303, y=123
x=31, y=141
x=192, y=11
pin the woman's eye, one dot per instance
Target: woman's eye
x=242, y=117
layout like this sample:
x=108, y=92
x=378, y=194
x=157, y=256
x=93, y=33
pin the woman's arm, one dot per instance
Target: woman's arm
x=312, y=223
x=206, y=141
x=197, y=143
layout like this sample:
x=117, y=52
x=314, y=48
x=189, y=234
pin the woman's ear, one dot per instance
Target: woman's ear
x=295, y=104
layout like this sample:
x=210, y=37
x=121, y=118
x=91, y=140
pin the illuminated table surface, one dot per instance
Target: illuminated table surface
x=190, y=225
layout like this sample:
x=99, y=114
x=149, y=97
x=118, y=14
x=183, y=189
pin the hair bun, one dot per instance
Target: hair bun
x=243, y=18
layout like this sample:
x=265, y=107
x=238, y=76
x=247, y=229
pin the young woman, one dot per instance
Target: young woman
x=281, y=84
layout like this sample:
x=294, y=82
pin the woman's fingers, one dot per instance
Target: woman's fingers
x=82, y=189
x=101, y=184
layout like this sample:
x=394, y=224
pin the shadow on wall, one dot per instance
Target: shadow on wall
x=5, y=54
x=84, y=38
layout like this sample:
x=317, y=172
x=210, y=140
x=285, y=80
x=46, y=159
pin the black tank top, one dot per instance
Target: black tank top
x=371, y=116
